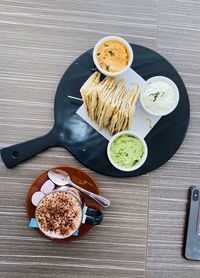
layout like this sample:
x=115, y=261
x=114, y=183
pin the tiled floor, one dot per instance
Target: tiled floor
x=142, y=233
x=178, y=37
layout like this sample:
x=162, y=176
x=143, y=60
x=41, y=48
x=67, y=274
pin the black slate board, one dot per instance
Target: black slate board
x=85, y=143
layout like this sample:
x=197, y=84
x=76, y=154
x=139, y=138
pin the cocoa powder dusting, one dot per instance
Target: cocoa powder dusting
x=59, y=212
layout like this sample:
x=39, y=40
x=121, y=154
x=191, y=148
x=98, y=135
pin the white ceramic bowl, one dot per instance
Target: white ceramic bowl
x=168, y=81
x=107, y=73
x=140, y=163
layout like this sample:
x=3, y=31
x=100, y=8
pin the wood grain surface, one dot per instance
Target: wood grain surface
x=143, y=231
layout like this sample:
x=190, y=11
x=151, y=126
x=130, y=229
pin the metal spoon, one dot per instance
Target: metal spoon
x=61, y=178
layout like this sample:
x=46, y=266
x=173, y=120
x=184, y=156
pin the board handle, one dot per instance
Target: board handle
x=15, y=154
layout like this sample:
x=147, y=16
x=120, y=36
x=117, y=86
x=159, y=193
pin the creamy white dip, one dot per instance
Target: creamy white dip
x=159, y=97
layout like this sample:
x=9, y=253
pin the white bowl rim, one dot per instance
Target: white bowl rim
x=134, y=134
x=169, y=81
x=104, y=39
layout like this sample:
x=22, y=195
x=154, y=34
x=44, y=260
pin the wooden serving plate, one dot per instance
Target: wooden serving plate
x=79, y=177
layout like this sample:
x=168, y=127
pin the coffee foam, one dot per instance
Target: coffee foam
x=59, y=214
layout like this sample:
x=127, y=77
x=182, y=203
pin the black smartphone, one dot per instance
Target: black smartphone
x=192, y=247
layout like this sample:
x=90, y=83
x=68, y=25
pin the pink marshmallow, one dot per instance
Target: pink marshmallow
x=36, y=197
x=47, y=187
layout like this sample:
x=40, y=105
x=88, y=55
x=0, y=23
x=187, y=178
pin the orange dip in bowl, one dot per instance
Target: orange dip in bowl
x=112, y=56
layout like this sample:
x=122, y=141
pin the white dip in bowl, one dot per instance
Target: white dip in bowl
x=160, y=96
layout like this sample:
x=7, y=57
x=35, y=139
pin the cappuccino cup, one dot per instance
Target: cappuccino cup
x=59, y=214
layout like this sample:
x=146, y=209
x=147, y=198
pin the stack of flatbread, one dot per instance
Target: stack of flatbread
x=108, y=104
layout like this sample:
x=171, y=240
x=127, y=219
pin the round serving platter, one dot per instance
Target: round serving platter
x=89, y=147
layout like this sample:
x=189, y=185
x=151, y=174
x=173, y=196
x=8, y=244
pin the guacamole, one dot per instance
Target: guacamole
x=126, y=151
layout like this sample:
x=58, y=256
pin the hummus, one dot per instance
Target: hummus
x=126, y=151
x=112, y=56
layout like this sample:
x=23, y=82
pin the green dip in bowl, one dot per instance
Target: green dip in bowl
x=127, y=151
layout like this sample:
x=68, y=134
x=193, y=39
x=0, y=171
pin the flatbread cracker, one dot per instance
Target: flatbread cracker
x=102, y=97
x=134, y=101
x=87, y=87
x=113, y=106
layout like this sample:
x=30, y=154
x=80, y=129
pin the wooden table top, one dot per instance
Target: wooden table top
x=143, y=231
